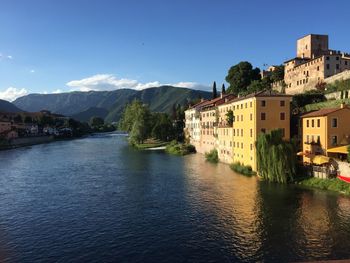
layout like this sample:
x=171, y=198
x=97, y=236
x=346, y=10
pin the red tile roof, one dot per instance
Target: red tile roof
x=322, y=112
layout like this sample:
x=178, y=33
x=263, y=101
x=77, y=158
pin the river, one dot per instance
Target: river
x=98, y=200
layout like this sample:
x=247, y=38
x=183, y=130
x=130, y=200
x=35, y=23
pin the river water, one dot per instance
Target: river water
x=98, y=200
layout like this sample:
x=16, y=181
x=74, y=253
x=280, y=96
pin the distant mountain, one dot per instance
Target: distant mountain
x=87, y=114
x=108, y=104
x=6, y=106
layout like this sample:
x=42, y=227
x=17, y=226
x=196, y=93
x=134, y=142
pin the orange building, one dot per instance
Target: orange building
x=324, y=130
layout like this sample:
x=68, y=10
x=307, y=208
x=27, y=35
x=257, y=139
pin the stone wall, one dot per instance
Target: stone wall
x=340, y=76
x=337, y=95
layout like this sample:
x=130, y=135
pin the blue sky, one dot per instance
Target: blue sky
x=55, y=46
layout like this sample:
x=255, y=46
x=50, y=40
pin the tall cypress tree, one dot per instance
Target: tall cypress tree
x=223, y=89
x=215, y=93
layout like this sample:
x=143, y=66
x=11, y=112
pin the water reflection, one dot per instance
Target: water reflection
x=231, y=200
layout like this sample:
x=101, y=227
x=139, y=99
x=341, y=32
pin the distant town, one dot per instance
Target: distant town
x=231, y=124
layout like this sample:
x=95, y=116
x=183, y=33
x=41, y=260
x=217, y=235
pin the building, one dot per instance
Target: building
x=224, y=131
x=192, y=124
x=209, y=119
x=314, y=63
x=254, y=114
x=325, y=130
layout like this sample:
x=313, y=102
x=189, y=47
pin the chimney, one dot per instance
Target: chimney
x=342, y=105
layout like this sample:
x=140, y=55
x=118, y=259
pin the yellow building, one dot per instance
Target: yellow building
x=323, y=130
x=253, y=114
x=224, y=133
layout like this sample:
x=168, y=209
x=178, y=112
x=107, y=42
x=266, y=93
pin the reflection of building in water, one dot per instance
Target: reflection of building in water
x=315, y=224
x=230, y=201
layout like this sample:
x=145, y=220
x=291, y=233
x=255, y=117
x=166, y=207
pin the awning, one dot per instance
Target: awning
x=320, y=159
x=341, y=149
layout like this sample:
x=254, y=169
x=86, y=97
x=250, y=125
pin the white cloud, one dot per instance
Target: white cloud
x=57, y=91
x=32, y=71
x=111, y=82
x=11, y=93
x=9, y=57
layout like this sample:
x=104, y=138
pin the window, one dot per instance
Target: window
x=318, y=68
x=307, y=123
x=246, y=105
x=312, y=123
x=327, y=66
x=263, y=103
x=251, y=147
x=251, y=103
x=336, y=58
x=282, y=103
x=242, y=145
x=334, y=123
x=242, y=106
x=334, y=140
x=242, y=117
x=251, y=116
x=282, y=116
x=263, y=116
x=251, y=132
x=263, y=130
x=307, y=138
x=327, y=58
x=346, y=63
x=337, y=66
x=318, y=123
x=241, y=132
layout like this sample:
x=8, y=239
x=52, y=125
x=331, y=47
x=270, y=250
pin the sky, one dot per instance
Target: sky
x=53, y=46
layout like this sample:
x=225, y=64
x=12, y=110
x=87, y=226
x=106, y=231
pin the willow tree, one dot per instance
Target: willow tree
x=276, y=158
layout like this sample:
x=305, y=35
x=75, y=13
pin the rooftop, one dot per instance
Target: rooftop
x=324, y=112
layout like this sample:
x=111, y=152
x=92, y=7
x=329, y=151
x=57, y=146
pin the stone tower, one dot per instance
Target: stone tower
x=312, y=45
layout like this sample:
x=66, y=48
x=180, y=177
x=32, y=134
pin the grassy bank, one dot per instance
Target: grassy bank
x=150, y=143
x=242, y=169
x=325, y=104
x=333, y=184
x=177, y=148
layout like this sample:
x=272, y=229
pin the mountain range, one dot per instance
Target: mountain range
x=107, y=104
x=6, y=106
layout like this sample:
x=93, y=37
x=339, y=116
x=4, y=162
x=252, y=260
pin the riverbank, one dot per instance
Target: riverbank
x=333, y=184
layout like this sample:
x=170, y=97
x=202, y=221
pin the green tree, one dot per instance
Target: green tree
x=229, y=117
x=259, y=85
x=28, y=119
x=276, y=158
x=240, y=76
x=18, y=118
x=215, y=93
x=278, y=73
x=223, y=89
x=46, y=120
x=96, y=122
x=163, y=127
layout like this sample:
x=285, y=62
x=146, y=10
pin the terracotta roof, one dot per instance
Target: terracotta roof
x=262, y=93
x=217, y=101
x=322, y=112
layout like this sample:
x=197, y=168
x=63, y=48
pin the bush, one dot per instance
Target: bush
x=180, y=148
x=212, y=156
x=242, y=169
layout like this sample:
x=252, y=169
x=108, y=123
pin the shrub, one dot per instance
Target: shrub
x=180, y=148
x=242, y=169
x=212, y=156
